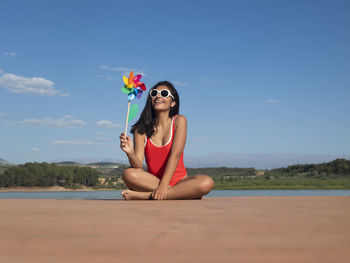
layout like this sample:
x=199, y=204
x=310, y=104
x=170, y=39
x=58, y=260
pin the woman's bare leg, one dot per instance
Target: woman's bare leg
x=193, y=187
x=140, y=180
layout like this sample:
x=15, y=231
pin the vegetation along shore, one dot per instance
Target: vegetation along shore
x=107, y=176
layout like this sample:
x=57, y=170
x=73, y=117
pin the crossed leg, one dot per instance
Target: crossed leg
x=143, y=183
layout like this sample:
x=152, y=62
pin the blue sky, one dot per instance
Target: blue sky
x=253, y=76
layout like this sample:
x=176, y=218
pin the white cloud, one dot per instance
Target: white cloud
x=106, y=77
x=70, y=117
x=107, y=124
x=211, y=81
x=4, y=114
x=78, y=142
x=34, y=85
x=12, y=54
x=272, y=101
x=123, y=70
x=34, y=149
x=179, y=83
x=104, y=67
x=81, y=142
x=66, y=121
x=102, y=133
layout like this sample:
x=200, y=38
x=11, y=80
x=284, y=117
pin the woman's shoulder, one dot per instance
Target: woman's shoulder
x=180, y=120
x=138, y=134
x=180, y=117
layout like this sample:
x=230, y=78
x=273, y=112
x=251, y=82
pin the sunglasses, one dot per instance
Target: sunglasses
x=164, y=93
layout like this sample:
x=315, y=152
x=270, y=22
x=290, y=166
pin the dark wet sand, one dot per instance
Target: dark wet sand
x=215, y=229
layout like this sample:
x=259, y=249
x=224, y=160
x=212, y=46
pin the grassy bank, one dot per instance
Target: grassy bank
x=262, y=183
x=298, y=183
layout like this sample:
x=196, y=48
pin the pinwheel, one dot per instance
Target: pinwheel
x=133, y=88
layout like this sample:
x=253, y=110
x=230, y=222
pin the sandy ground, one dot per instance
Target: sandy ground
x=214, y=229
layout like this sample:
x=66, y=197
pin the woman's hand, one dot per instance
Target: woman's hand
x=160, y=192
x=126, y=144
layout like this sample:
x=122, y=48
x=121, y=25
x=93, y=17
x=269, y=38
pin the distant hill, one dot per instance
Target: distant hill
x=92, y=161
x=257, y=160
x=93, y=165
x=4, y=162
x=106, y=164
x=67, y=163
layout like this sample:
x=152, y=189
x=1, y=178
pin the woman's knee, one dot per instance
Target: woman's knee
x=207, y=184
x=129, y=174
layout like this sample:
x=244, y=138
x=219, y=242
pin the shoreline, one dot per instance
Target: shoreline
x=90, y=189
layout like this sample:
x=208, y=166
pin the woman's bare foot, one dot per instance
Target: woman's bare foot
x=134, y=195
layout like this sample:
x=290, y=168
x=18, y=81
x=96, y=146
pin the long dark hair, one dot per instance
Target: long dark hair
x=147, y=121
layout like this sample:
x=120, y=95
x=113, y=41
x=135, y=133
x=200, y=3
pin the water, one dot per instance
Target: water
x=116, y=194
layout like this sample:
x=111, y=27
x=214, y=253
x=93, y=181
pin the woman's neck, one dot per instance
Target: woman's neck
x=163, y=118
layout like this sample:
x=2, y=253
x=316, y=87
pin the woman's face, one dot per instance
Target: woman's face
x=160, y=103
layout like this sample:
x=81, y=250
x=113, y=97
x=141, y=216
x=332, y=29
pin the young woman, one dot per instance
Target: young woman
x=160, y=137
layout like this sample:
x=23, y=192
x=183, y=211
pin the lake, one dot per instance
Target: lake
x=215, y=193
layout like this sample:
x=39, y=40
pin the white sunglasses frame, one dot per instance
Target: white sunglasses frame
x=159, y=91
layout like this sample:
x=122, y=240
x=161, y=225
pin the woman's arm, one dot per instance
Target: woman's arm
x=135, y=154
x=176, y=149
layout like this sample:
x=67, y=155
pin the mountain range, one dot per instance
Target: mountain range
x=258, y=160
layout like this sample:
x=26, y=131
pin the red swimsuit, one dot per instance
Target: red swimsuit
x=157, y=158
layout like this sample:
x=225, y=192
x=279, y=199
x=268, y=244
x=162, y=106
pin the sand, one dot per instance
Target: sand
x=214, y=229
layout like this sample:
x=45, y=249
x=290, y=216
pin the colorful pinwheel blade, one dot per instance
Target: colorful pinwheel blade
x=131, y=79
x=134, y=109
x=126, y=80
x=141, y=85
x=139, y=93
x=126, y=90
x=137, y=78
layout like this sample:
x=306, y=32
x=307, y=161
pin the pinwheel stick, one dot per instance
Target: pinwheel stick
x=127, y=119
